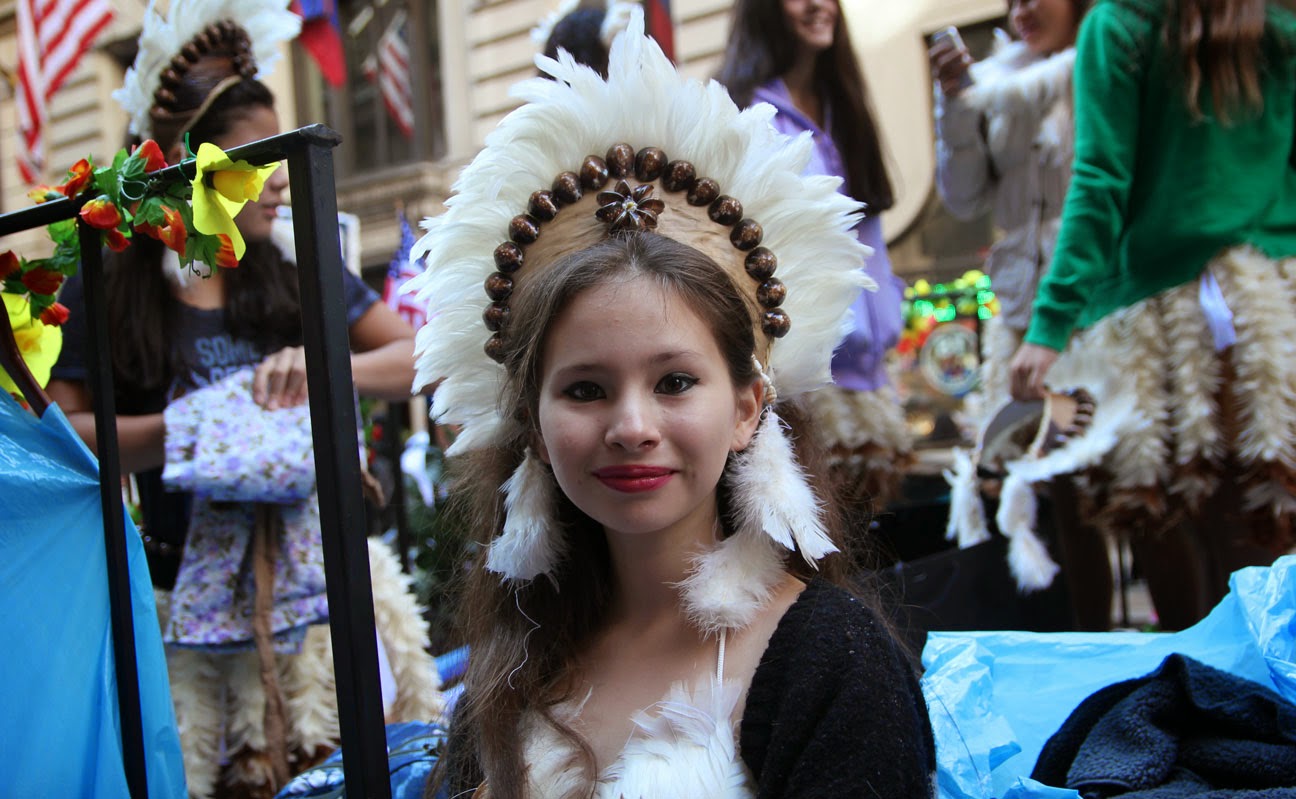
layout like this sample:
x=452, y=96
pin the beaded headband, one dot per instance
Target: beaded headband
x=646, y=149
x=171, y=46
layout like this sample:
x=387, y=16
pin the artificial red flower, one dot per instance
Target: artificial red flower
x=116, y=240
x=173, y=234
x=225, y=257
x=56, y=314
x=152, y=231
x=42, y=193
x=152, y=155
x=78, y=178
x=42, y=281
x=101, y=213
x=9, y=264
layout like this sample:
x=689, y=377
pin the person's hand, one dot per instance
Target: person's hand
x=949, y=65
x=280, y=380
x=1029, y=367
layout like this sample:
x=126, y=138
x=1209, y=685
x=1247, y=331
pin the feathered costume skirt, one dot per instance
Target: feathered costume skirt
x=1195, y=417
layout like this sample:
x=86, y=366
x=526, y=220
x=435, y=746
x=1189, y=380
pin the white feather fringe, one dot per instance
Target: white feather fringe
x=267, y=23
x=769, y=492
x=531, y=543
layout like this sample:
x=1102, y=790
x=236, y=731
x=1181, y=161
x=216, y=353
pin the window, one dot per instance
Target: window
x=389, y=111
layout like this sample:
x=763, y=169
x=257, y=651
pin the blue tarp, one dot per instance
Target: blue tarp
x=995, y=698
x=60, y=730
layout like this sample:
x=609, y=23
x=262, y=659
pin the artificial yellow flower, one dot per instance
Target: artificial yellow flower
x=38, y=342
x=220, y=189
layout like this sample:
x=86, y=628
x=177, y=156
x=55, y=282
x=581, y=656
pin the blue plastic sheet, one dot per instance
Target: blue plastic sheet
x=995, y=698
x=60, y=731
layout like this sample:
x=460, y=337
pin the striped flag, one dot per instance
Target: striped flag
x=52, y=37
x=391, y=69
x=399, y=272
x=657, y=24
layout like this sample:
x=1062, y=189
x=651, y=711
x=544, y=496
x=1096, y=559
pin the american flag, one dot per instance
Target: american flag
x=398, y=274
x=52, y=37
x=391, y=69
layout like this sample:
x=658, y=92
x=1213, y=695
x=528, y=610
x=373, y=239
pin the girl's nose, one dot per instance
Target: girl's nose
x=633, y=424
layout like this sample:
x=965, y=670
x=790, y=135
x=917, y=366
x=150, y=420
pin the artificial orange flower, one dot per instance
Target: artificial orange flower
x=42, y=193
x=115, y=240
x=152, y=231
x=225, y=257
x=78, y=178
x=9, y=264
x=152, y=155
x=41, y=280
x=101, y=213
x=173, y=234
x=56, y=314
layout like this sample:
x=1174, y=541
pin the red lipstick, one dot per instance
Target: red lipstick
x=634, y=479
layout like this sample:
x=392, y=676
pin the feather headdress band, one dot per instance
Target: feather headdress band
x=645, y=149
x=163, y=40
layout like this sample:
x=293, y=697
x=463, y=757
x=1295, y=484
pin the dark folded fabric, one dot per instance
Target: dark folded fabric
x=1185, y=730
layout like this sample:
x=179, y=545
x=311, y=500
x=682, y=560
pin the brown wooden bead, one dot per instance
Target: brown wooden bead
x=495, y=348
x=679, y=176
x=761, y=263
x=594, y=173
x=725, y=210
x=650, y=163
x=508, y=257
x=524, y=229
x=746, y=234
x=495, y=315
x=704, y=192
x=567, y=188
x=499, y=286
x=620, y=160
x=542, y=205
x=771, y=293
x=775, y=323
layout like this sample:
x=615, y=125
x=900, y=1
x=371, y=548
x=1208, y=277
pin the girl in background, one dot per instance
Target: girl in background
x=796, y=55
x=1175, y=262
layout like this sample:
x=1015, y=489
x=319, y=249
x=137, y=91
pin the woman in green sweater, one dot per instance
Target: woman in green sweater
x=1175, y=262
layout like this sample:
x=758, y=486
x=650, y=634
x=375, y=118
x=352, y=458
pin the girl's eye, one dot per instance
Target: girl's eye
x=583, y=391
x=676, y=383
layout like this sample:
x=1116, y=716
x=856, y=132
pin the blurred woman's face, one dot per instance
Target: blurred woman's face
x=1046, y=26
x=256, y=218
x=811, y=23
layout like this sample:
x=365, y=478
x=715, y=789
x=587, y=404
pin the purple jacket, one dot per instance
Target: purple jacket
x=859, y=363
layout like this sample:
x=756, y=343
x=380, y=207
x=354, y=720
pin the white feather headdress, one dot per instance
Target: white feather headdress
x=266, y=22
x=644, y=101
x=807, y=224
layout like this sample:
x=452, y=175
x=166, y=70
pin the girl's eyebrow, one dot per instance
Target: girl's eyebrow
x=662, y=357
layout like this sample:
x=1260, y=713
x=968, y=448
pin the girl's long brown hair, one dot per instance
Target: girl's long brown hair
x=761, y=48
x=1218, y=46
x=525, y=638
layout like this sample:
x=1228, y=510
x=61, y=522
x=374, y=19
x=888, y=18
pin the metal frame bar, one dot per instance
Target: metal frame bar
x=308, y=151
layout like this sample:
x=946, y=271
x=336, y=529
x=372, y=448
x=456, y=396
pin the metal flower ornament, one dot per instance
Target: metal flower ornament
x=195, y=219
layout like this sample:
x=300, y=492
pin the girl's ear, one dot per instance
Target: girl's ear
x=541, y=451
x=750, y=401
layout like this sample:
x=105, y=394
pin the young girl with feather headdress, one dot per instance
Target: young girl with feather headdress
x=633, y=284
x=175, y=332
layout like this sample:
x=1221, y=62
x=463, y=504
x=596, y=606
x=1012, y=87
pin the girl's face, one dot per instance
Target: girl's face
x=1046, y=26
x=637, y=410
x=811, y=23
x=255, y=220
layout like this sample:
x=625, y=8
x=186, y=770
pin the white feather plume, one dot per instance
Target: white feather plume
x=806, y=222
x=1027, y=558
x=267, y=23
x=769, y=492
x=529, y=545
x=967, y=521
x=729, y=585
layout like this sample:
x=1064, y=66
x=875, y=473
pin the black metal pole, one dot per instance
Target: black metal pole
x=337, y=464
x=119, y=591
